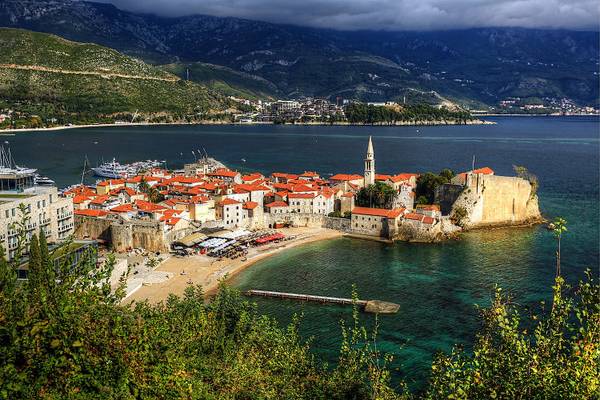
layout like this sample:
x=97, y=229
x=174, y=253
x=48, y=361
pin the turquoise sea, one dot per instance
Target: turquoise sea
x=437, y=286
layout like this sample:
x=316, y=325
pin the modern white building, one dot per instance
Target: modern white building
x=39, y=207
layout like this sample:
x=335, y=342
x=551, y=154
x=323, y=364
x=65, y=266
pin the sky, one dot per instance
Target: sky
x=388, y=14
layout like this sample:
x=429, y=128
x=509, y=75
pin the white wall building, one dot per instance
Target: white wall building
x=45, y=211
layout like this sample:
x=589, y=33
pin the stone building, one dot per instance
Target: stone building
x=377, y=222
x=231, y=213
x=481, y=198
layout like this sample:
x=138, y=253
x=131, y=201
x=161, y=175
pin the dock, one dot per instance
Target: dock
x=372, y=306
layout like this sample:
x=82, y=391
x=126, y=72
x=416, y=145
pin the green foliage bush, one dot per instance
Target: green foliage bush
x=65, y=335
x=429, y=182
x=370, y=114
x=379, y=195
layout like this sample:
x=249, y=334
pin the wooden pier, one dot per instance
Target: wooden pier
x=374, y=306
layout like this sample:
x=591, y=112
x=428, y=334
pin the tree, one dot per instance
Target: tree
x=559, y=226
x=447, y=174
x=429, y=182
x=379, y=195
x=553, y=356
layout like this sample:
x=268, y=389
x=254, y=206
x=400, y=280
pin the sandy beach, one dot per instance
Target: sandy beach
x=208, y=271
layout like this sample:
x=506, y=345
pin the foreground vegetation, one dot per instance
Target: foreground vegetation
x=64, y=334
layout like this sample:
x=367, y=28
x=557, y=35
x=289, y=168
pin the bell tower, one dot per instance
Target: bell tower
x=370, y=165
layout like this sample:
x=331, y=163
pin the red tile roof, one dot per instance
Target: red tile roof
x=100, y=199
x=414, y=216
x=277, y=204
x=428, y=220
x=345, y=177
x=224, y=172
x=484, y=170
x=428, y=207
x=301, y=195
x=81, y=189
x=284, y=175
x=127, y=190
x=112, y=182
x=146, y=206
x=396, y=212
x=91, y=213
x=250, y=205
x=303, y=188
x=170, y=220
x=123, y=208
x=251, y=187
x=252, y=177
x=402, y=177
x=184, y=180
x=199, y=199
x=79, y=198
x=228, y=201
x=378, y=212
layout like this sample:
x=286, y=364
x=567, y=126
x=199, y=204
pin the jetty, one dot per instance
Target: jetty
x=371, y=306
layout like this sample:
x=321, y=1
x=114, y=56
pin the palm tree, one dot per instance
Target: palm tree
x=559, y=226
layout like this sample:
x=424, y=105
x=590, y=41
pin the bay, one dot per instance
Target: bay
x=437, y=286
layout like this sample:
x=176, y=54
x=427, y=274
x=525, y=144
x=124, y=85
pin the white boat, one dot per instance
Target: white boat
x=113, y=170
x=43, y=180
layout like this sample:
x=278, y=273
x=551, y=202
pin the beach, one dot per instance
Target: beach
x=208, y=272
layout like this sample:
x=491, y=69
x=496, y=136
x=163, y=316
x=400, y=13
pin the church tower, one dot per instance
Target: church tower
x=370, y=165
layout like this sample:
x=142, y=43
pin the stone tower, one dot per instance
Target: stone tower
x=370, y=165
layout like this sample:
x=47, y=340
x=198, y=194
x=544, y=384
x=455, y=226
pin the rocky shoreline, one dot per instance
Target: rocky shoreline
x=399, y=123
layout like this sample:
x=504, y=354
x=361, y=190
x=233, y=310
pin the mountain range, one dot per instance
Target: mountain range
x=475, y=68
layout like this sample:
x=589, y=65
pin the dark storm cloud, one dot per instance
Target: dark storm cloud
x=388, y=14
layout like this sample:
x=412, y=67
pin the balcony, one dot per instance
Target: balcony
x=44, y=221
x=64, y=216
x=64, y=228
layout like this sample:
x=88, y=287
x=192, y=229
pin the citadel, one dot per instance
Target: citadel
x=156, y=208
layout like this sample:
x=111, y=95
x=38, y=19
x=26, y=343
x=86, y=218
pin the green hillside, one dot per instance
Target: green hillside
x=54, y=78
x=226, y=80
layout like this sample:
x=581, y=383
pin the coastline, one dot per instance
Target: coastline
x=208, y=272
x=202, y=123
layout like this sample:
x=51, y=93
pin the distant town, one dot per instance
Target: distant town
x=305, y=111
x=545, y=106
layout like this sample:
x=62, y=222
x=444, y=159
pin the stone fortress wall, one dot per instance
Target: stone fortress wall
x=125, y=235
x=492, y=200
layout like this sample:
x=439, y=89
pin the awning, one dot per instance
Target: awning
x=192, y=239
